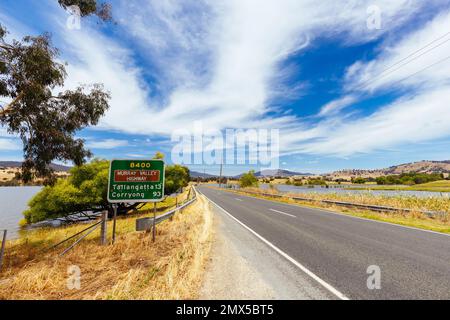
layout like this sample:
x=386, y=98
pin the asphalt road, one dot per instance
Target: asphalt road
x=336, y=250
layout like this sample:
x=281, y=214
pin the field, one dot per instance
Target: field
x=133, y=268
x=8, y=174
x=436, y=186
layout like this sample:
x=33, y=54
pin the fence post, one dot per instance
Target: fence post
x=189, y=194
x=114, y=224
x=2, y=251
x=176, y=208
x=103, y=231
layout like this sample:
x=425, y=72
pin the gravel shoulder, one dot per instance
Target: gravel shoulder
x=243, y=267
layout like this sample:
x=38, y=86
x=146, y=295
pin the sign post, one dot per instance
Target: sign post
x=154, y=222
x=114, y=223
x=134, y=181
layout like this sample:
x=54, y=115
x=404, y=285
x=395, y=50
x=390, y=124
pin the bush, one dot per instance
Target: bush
x=84, y=190
x=410, y=178
x=176, y=177
x=248, y=180
x=359, y=180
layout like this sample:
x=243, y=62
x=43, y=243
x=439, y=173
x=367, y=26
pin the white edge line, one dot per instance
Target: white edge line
x=287, y=214
x=237, y=199
x=286, y=256
x=349, y=216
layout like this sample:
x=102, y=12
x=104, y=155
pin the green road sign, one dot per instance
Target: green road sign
x=136, y=181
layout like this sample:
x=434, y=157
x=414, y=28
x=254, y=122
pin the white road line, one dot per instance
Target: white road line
x=326, y=285
x=237, y=199
x=287, y=214
x=349, y=216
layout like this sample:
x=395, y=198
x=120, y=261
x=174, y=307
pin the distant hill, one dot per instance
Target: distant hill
x=195, y=174
x=277, y=173
x=280, y=173
x=18, y=164
x=424, y=166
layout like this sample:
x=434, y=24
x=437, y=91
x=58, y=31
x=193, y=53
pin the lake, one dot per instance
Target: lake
x=13, y=201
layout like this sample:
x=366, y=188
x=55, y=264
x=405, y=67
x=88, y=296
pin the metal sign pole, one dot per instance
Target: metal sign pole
x=114, y=223
x=154, y=222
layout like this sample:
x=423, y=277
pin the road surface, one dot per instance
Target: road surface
x=336, y=250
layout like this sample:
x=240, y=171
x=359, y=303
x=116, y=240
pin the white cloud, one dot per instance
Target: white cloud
x=107, y=144
x=422, y=117
x=229, y=50
x=337, y=105
x=9, y=145
x=402, y=59
x=219, y=61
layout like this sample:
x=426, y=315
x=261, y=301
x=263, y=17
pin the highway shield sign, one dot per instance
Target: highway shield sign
x=134, y=181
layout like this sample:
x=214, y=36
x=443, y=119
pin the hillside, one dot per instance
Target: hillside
x=9, y=170
x=195, y=174
x=277, y=173
x=424, y=166
x=18, y=164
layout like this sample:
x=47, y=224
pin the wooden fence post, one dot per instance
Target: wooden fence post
x=114, y=224
x=103, y=230
x=2, y=251
x=176, y=208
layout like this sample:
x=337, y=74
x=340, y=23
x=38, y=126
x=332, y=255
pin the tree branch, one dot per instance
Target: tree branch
x=8, y=107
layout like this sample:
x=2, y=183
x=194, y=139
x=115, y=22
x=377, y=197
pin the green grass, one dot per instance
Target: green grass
x=437, y=186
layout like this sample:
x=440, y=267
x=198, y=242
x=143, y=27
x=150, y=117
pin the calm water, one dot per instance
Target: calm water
x=13, y=201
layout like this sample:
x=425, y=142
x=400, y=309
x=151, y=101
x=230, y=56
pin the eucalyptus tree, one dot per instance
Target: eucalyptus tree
x=44, y=115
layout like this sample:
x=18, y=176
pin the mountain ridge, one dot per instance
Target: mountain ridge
x=424, y=166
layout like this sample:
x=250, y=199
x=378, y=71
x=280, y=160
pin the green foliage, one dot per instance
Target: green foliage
x=410, y=178
x=317, y=182
x=30, y=74
x=159, y=156
x=298, y=183
x=176, y=177
x=84, y=190
x=359, y=180
x=248, y=180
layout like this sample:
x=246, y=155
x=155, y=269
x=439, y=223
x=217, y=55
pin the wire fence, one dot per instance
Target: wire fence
x=9, y=247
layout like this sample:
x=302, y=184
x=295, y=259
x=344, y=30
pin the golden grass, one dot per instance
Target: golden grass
x=133, y=268
x=415, y=219
x=436, y=186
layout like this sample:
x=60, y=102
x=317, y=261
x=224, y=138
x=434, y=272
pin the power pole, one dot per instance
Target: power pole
x=220, y=177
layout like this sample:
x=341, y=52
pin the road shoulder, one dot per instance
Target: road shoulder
x=243, y=267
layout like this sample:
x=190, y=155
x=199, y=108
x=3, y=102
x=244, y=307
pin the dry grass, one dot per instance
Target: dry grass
x=440, y=223
x=134, y=268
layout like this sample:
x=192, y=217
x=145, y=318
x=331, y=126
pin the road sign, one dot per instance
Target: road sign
x=134, y=181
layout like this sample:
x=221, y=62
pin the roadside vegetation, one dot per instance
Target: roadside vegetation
x=440, y=223
x=435, y=186
x=85, y=192
x=248, y=180
x=133, y=268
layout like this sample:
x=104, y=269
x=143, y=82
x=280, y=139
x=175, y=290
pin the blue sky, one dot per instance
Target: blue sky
x=349, y=84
